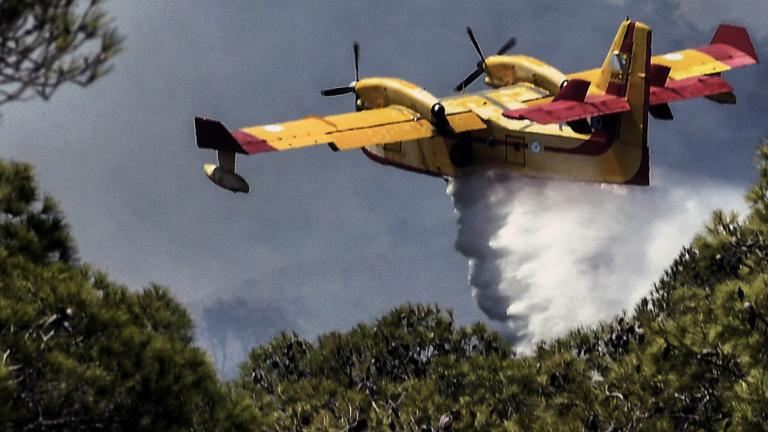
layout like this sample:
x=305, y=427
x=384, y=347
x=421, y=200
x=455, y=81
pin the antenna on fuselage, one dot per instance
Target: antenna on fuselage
x=480, y=66
x=350, y=88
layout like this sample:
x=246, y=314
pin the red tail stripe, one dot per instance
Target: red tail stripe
x=629, y=37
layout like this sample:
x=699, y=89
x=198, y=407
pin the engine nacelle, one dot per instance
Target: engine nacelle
x=383, y=92
x=503, y=70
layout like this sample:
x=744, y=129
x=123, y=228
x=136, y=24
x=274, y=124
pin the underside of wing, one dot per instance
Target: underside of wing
x=565, y=111
x=571, y=103
x=689, y=88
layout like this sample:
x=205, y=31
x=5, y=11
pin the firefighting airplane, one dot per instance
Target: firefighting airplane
x=534, y=121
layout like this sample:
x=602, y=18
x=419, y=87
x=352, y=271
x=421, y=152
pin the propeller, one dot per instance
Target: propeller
x=480, y=65
x=350, y=88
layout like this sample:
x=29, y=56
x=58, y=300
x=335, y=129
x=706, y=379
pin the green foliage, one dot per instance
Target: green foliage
x=692, y=356
x=398, y=372
x=78, y=351
x=29, y=227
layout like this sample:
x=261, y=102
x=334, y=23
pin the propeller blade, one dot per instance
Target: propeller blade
x=475, y=44
x=469, y=79
x=356, y=50
x=337, y=91
x=507, y=46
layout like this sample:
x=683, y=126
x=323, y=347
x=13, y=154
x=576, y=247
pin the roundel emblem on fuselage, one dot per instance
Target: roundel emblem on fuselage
x=535, y=147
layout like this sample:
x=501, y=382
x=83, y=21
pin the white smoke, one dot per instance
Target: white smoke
x=546, y=256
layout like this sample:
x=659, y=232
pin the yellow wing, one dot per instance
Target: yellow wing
x=342, y=132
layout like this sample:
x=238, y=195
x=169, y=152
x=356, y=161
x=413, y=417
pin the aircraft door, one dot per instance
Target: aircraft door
x=514, y=149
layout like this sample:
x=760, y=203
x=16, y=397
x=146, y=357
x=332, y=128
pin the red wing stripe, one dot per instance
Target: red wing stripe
x=564, y=110
x=212, y=134
x=251, y=143
x=689, y=88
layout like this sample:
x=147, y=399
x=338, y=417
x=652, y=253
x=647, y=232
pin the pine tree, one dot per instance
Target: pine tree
x=692, y=356
x=82, y=352
x=47, y=43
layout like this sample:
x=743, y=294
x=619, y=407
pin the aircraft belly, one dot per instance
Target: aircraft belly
x=558, y=154
x=592, y=159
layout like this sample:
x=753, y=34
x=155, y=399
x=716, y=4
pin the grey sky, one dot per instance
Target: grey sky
x=328, y=238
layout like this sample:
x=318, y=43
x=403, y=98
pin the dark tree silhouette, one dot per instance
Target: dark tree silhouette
x=46, y=43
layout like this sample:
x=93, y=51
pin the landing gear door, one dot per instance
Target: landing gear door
x=514, y=148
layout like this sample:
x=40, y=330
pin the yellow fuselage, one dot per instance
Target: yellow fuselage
x=519, y=146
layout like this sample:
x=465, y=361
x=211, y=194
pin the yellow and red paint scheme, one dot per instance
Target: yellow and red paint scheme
x=534, y=121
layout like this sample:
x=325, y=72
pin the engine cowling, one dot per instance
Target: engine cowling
x=503, y=70
x=382, y=92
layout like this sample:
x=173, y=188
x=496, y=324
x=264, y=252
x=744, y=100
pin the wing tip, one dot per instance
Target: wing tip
x=212, y=134
x=736, y=37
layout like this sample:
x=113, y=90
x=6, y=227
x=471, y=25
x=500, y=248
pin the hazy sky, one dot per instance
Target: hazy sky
x=325, y=239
